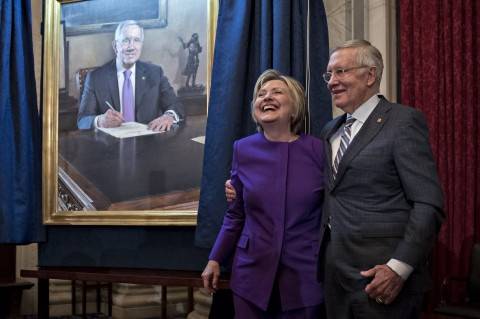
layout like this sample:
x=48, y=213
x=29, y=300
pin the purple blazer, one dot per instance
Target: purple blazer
x=272, y=228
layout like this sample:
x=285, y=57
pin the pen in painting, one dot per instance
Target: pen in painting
x=110, y=106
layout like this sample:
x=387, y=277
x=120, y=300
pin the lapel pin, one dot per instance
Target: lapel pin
x=143, y=77
x=379, y=120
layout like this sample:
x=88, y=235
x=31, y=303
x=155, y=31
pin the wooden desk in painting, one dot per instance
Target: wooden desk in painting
x=161, y=171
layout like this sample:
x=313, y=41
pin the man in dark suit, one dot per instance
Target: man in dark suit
x=125, y=89
x=383, y=202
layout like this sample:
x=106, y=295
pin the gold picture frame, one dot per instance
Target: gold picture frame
x=61, y=208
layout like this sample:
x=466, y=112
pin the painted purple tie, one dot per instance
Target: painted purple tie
x=127, y=98
x=344, y=142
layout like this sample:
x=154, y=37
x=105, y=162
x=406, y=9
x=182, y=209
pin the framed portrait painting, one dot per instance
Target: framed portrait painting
x=125, y=87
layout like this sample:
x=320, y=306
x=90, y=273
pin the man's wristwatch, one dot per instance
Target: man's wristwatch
x=173, y=115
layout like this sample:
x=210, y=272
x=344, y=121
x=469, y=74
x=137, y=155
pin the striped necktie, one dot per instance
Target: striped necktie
x=344, y=142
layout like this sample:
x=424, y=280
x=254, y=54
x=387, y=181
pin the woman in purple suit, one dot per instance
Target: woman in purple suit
x=272, y=227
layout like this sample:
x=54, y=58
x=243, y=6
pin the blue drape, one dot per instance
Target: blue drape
x=252, y=36
x=20, y=131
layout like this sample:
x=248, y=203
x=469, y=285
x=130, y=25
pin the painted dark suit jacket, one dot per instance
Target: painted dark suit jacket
x=386, y=201
x=153, y=94
x=272, y=227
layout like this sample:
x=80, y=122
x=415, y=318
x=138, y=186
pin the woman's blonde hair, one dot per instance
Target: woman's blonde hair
x=295, y=91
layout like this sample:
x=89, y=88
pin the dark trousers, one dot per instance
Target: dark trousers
x=343, y=304
x=357, y=305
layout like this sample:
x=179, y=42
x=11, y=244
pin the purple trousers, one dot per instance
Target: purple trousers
x=246, y=310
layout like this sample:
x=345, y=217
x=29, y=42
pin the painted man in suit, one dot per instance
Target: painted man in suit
x=126, y=89
x=383, y=202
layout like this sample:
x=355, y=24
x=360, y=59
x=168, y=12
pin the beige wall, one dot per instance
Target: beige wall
x=37, y=41
x=375, y=22
x=27, y=258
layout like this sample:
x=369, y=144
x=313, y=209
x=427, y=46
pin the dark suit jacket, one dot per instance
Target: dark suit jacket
x=153, y=94
x=386, y=201
x=272, y=227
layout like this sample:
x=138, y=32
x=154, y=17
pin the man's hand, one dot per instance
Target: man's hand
x=230, y=192
x=210, y=276
x=110, y=118
x=161, y=124
x=385, y=285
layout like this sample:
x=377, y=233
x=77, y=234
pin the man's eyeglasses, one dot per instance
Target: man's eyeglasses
x=340, y=73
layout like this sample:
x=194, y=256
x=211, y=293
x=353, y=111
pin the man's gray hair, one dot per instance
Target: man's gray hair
x=122, y=25
x=367, y=55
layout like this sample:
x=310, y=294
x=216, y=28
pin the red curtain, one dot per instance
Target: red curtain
x=440, y=74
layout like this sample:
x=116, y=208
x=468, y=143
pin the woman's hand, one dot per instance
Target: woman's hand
x=230, y=192
x=210, y=275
